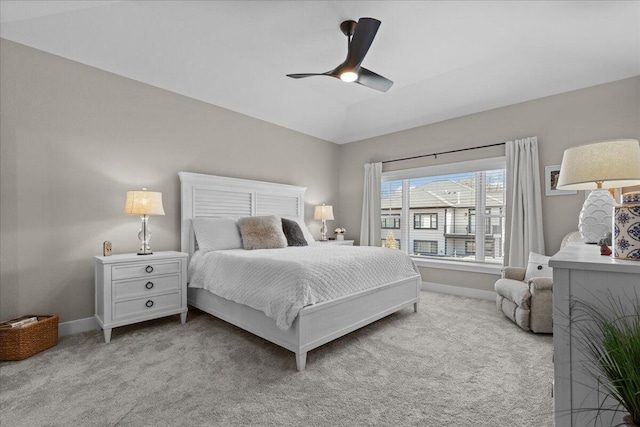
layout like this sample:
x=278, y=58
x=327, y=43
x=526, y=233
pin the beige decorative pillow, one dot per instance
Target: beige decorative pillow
x=262, y=232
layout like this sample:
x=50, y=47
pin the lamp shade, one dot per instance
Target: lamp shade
x=323, y=212
x=143, y=202
x=614, y=163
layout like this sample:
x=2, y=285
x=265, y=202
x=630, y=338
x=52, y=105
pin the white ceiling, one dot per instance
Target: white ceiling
x=447, y=58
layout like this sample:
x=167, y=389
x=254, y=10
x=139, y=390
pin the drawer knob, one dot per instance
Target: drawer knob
x=149, y=304
x=149, y=285
x=149, y=269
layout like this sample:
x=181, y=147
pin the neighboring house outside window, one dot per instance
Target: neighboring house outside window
x=391, y=222
x=425, y=247
x=436, y=212
x=425, y=221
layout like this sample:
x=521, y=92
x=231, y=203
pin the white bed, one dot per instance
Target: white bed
x=314, y=325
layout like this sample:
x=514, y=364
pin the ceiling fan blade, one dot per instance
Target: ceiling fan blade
x=300, y=76
x=361, y=42
x=374, y=81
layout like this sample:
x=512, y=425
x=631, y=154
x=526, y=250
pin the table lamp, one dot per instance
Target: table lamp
x=323, y=213
x=144, y=203
x=598, y=166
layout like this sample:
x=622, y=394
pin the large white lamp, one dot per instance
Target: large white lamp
x=144, y=203
x=598, y=166
x=323, y=213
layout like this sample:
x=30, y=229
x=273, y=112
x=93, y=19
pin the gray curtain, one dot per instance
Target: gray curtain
x=524, y=232
x=370, y=225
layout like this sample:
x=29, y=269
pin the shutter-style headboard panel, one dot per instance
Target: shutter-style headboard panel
x=218, y=196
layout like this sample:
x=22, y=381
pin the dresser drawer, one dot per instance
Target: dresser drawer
x=144, y=269
x=145, y=287
x=148, y=305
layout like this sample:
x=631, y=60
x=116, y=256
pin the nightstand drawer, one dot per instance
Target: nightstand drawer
x=141, y=306
x=145, y=287
x=144, y=269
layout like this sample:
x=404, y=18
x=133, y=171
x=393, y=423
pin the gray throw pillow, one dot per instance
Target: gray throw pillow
x=293, y=233
x=262, y=232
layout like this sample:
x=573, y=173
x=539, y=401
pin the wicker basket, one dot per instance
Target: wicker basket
x=25, y=341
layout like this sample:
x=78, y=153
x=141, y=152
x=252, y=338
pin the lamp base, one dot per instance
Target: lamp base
x=144, y=236
x=323, y=231
x=596, y=216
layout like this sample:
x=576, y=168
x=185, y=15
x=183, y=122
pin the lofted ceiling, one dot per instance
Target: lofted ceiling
x=447, y=58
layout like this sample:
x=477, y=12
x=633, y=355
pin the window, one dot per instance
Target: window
x=470, y=247
x=391, y=222
x=457, y=210
x=487, y=221
x=425, y=247
x=425, y=221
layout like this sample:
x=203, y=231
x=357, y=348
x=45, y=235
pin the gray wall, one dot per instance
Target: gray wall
x=606, y=111
x=74, y=139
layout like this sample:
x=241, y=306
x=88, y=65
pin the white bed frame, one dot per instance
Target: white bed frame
x=315, y=325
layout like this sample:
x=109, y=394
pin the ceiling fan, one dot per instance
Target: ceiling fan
x=360, y=36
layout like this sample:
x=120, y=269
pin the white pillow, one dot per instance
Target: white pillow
x=538, y=266
x=214, y=234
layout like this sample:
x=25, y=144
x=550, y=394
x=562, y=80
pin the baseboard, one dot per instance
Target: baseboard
x=77, y=326
x=459, y=290
x=90, y=324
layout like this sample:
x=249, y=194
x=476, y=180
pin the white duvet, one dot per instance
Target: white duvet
x=280, y=282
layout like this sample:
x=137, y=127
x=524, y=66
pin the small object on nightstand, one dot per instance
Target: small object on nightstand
x=131, y=289
x=106, y=248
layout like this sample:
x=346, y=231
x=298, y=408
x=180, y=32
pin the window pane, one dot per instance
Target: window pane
x=443, y=215
x=391, y=212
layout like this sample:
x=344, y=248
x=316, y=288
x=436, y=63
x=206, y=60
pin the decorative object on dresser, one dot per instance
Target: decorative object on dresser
x=626, y=227
x=129, y=289
x=598, y=166
x=323, y=213
x=608, y=335
x=580, y=273
x=144, y=203
x=339, y=232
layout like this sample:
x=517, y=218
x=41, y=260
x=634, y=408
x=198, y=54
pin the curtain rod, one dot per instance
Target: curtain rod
x=444, y=152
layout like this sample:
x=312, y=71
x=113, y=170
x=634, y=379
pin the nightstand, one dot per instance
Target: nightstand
x=132, y=288
x=338, y=242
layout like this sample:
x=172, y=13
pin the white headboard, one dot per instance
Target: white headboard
x=217, y=196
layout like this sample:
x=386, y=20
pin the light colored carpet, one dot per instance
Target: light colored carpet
x=457, y=362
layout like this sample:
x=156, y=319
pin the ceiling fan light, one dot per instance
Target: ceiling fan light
x=349, y=76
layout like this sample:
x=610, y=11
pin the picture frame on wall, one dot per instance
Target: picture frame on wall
x=551, y=175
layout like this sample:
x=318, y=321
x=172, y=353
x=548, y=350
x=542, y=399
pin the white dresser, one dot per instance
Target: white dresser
x=579, y=271
x=132, y=288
